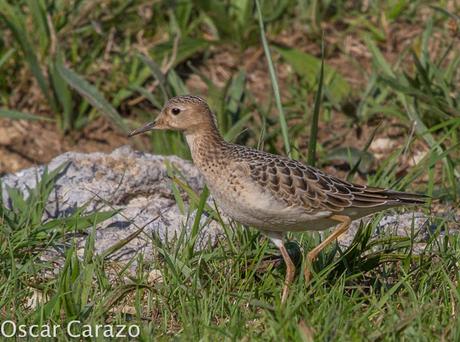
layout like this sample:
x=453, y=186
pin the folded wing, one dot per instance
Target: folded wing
x=307, y=187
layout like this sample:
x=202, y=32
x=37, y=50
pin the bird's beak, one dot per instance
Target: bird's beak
x=147, y=127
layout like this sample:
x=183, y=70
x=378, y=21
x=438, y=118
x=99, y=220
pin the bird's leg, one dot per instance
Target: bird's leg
x=290, y=272
x=277, y=239
x=311, y=256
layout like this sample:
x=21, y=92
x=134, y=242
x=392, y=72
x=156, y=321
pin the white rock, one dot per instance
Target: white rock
x=133, y=182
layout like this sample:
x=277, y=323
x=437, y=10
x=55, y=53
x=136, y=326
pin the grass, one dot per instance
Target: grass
x=377, y=288
x=80, y=60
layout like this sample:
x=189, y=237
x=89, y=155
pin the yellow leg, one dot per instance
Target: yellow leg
x=311, y=256
x=277, y=239
x=290, y=272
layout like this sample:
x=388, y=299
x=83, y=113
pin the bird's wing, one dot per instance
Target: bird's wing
x=304, y=186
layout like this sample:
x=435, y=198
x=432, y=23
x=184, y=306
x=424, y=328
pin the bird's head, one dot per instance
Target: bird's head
x=187, y=113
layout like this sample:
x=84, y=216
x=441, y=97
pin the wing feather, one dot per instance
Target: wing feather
x=304, y=186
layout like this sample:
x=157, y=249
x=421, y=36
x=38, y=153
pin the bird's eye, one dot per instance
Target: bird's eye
x=175, y=111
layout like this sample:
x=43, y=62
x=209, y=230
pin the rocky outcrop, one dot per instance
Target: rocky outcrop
x=133, y=182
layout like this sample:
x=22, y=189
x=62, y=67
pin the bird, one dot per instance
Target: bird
x=269, y=192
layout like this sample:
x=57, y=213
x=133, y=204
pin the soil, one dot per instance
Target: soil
x=27, y=143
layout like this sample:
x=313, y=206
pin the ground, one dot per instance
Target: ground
x=89, y=71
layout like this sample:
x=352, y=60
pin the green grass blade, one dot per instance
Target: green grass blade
x=64, y=96
x=176, y=83
x=197, y=221
x=148, y=95
x=15, y=20
x=6, y=56
x=157, y=73
x=16, y=115
x=357, y=164
x=308, y=66
x=115, y=247
x=315, y=118
x=40, y=22
x=274, y=80
x=177, y=196
x=379, y=59
x=92, y=95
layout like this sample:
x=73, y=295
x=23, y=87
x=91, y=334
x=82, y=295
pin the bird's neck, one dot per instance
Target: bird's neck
x=206, y=146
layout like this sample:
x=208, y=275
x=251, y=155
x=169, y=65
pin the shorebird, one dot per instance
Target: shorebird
x=272, y=193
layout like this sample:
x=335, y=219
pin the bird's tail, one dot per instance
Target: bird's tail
x=406, y=198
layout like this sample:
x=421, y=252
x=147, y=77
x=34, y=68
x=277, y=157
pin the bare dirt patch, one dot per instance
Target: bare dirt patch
x=27, y=143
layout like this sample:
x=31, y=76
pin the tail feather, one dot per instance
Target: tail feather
x=406, y=197
x=375, y=197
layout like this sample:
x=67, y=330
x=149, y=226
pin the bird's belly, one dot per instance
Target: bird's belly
x=256, y=208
